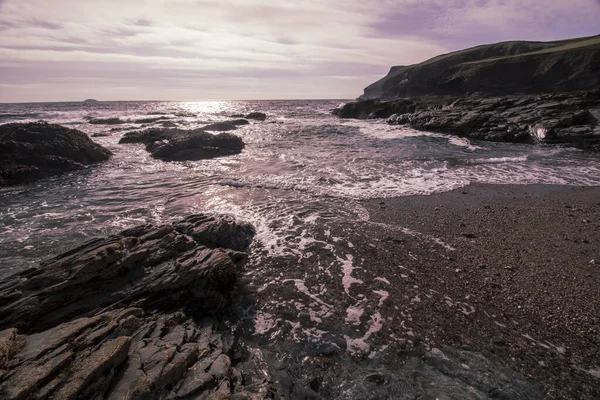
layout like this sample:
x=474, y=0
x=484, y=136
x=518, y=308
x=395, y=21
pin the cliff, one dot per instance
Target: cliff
x=497, y=69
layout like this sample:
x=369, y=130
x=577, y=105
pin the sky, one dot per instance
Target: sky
x=192, y=50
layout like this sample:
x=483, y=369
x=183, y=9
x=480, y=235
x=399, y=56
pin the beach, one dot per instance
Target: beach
x=515, y=279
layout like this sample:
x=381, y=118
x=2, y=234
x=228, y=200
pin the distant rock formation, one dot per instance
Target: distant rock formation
x=182, y=145
x=530, y=92
x=30, y=151
x=90, y=102
x=561, y=118
x=498, y=69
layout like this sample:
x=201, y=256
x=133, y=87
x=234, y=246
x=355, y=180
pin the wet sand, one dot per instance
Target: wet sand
x=510, y=271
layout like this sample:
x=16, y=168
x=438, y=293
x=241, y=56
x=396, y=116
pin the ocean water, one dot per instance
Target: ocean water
x=301, y=176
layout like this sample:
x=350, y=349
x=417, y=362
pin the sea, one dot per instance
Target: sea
x=303, y=173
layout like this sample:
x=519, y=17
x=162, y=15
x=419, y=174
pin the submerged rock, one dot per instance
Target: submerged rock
x=125, y=316
x=29, y=151
x=181, y=145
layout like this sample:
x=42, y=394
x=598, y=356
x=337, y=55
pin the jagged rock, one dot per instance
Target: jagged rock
x=121, y=354
x=374, y=109
x=259, y=116
x=29, y=151
x=193, y=260
x=126, y=317
x=180, y=145
x=563, y=118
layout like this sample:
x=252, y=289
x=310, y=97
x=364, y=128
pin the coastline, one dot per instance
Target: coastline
x=520, y=275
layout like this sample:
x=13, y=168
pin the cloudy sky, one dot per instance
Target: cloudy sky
x=53, y=50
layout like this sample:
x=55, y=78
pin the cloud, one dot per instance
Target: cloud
x=312, y=46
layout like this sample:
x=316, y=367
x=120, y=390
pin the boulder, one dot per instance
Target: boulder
x=258, y=116
x=181, y=145
x=30, y=151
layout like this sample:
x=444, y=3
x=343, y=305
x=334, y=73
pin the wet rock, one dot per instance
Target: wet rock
x=30, y=151
x=445, y=374
x=220, y=127
x=192, y=261
x=180, y=145
x=258, y=116
x=106, y=121
x=127, y=317
x=559, y=118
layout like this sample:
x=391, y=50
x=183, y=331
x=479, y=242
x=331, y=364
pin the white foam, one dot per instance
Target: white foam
x=359, y=345
x=383, y=294
x=263, y=323
x=384, y=280
x=347, y=268
x=353, y=315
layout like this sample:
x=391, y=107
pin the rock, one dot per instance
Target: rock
x=106, y=121
x=180, y=145
x=30, y=151
x=259, y=116
x=192, y=261
x=445, y=374
x=239, y=121
x=90, y=102
x=549, y=119
x=197, y=147
x=497, y=69
x=375, y=109
x=127, y=316
x=220, y=126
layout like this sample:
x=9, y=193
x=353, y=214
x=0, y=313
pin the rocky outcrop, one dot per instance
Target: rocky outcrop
x=29, y=151
x=125, y=317
x=181, y=145
x=562, y=118
x=551, y=119
x=497, y=69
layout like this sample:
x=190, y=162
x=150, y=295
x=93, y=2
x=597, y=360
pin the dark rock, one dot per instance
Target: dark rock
x=498, y=69
x=375, y=109
x=220, y=126
x=197, y=147
x=29, y=151
x=101, y=320
x=551, y=118
x=180, y=145
x=101, y=134
x=106, y=121
x=256, y=116
x=238, y=122
x=90, y=102
x=168, y=265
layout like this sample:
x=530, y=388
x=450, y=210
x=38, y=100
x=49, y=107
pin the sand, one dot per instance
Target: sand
x=510, y=271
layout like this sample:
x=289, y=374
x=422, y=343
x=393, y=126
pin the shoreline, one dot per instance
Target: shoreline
x=523, y=274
